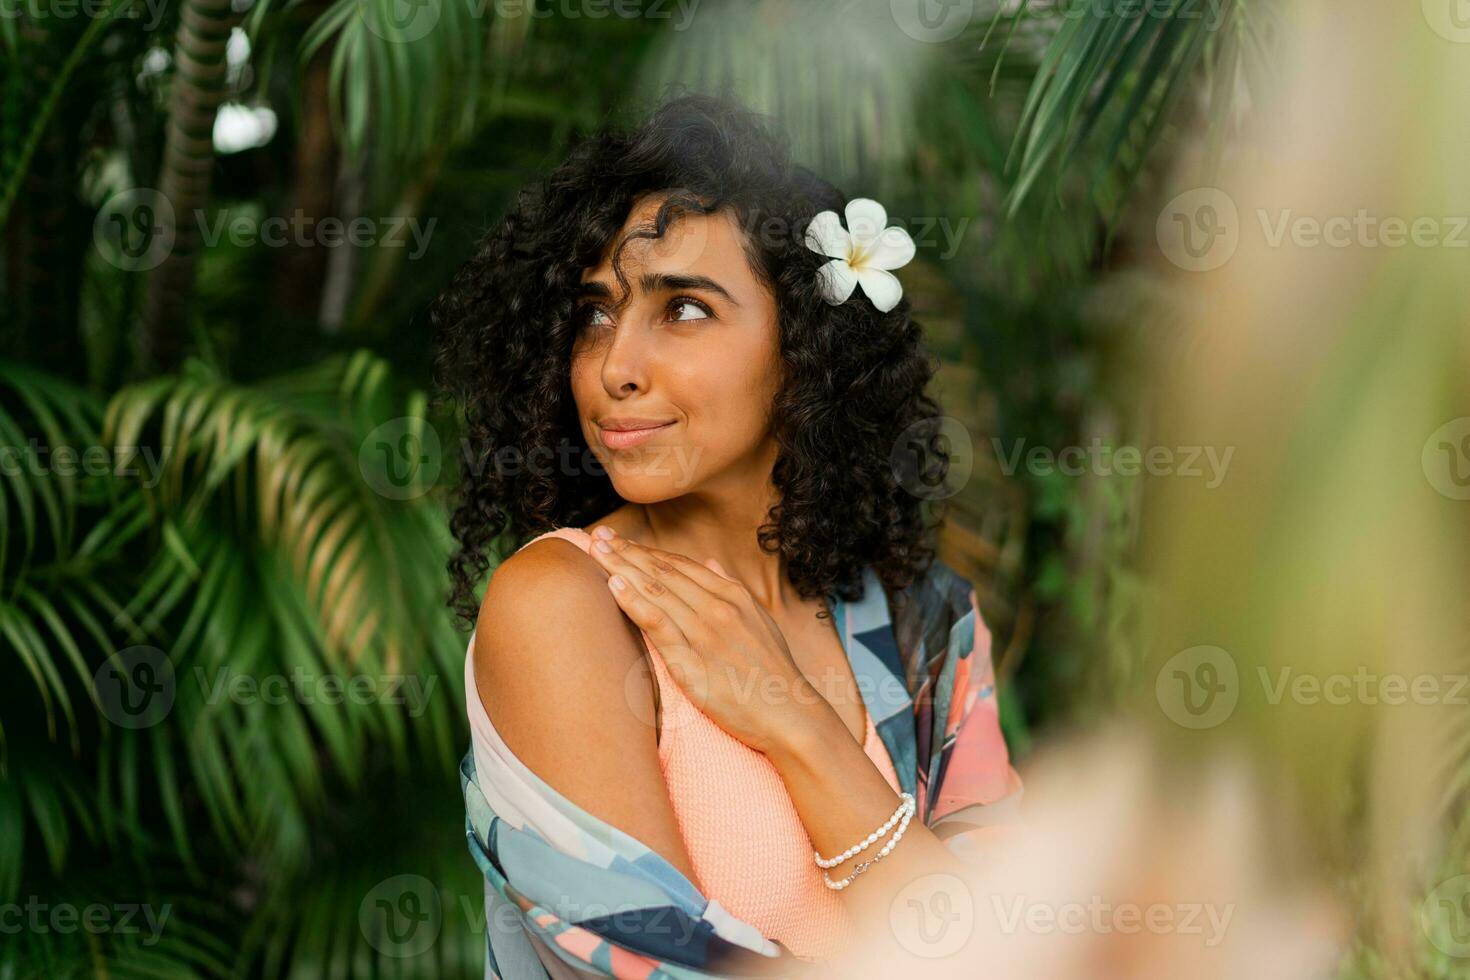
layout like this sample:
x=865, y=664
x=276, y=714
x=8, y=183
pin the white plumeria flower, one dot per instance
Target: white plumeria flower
x=861, y=254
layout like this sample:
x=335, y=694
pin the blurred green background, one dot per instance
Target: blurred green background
x=265, y=496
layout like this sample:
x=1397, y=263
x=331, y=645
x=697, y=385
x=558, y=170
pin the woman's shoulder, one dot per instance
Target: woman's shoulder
x=550, y=567
x=546, y=607
x=559, y=671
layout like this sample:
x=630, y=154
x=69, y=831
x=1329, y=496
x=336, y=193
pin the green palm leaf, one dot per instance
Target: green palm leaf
x=1112, y=76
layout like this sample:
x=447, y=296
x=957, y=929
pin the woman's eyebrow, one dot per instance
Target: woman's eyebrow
x=594, y=289
x=653, y=282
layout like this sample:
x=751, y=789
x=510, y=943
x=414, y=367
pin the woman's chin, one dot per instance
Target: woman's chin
x=648, y=477
x=641, y=488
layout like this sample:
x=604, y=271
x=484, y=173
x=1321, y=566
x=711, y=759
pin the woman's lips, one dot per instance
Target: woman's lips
x=623, y=439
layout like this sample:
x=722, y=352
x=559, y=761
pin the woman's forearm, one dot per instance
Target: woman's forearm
x=841, y=797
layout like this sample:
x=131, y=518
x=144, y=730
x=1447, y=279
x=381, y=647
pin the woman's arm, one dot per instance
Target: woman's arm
x=562, y=676
x=841, y=798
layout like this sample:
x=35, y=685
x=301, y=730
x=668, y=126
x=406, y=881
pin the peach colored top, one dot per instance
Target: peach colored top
x=748, y=846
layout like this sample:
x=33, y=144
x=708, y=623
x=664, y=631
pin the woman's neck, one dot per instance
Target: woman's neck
x=725, y=531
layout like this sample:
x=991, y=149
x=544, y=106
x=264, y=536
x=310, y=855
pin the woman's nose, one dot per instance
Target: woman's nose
x=628, y=357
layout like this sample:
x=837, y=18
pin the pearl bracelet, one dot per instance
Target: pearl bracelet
x=906, y=805
x=883, y=852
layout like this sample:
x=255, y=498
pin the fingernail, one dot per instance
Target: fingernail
x=602, y=546
x=617, y=582
x=602, y=531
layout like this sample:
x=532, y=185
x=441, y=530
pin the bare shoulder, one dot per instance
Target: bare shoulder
x=561, y=673
x=551, y=569
x=547, y=617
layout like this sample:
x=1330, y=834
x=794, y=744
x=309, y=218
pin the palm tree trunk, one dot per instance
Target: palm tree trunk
x=188, y=166
x=300, y=270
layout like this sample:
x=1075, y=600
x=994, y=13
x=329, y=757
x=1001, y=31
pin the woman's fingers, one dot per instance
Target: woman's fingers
x=681, y=660
x=709, y=575
x=704, y=587
x=646, y=614
x=646, y=598
x=695, y=582
x=657, y=611
x=668, y=570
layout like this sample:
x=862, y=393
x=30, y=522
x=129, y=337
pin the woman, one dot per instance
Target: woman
x=678, y=366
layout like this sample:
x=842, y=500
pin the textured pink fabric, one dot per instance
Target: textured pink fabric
x=749, y=848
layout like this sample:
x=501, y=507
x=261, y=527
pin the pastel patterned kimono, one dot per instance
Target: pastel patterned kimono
x=568, y=895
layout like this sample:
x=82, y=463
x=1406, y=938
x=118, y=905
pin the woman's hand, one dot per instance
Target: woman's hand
x=723, y=649
x=730, y=657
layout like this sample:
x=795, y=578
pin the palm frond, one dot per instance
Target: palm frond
x=17, y=168
x=1112, y=76
x=252, y=554
x=399, y=88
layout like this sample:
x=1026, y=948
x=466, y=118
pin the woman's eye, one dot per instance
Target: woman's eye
x=688, y=309
x=593, y=316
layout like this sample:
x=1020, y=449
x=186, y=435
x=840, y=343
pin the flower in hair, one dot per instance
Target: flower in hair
x=862, y=253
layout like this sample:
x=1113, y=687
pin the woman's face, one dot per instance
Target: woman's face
x=692, y=346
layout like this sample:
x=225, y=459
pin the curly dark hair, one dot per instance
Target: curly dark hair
x=854, y=380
